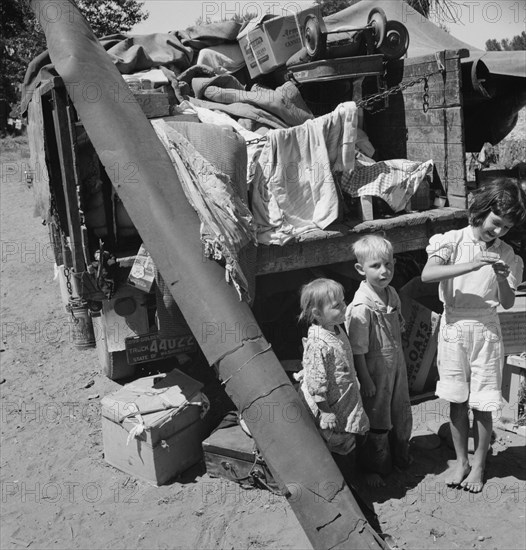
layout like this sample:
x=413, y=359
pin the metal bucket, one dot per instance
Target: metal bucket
x=81, y=325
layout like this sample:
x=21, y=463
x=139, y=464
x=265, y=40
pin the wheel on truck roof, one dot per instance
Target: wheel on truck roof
x=377, y=20
x=396, y=40
x=315, y=41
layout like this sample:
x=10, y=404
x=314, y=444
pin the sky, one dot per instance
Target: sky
x=472, y=21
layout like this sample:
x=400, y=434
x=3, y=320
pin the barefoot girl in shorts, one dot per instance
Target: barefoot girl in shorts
x=477, y=272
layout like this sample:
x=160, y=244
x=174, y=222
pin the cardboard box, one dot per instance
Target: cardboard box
x=267, y=42
x=142, y=273
x=420, y=338
x=513, y=325
x=513, y=380
x=152, y=427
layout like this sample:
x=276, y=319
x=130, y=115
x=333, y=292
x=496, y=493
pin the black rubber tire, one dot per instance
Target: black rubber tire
x=396, y=40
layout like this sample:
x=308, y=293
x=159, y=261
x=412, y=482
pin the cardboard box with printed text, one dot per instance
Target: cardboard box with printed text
x=267, y=42
x=420, y=338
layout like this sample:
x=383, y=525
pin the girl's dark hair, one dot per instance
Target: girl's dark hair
x=503, y=197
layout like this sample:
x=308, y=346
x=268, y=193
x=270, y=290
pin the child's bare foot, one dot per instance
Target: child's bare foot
x=457, y=474
x=474, y=482
x=374, y=480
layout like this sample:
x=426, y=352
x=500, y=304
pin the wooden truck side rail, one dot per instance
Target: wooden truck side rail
x=421, y=127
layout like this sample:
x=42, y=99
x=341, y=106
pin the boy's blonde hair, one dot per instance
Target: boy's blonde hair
x=372, y=246
x=316, y=294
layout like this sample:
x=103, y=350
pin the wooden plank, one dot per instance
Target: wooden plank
x=419, y=135
x=419, y=69
x=415, y=117
x=434, y=81
x=37, y=168
x=442, y=95
x=457, y=187
x=456, y=201
x=69, y=176
x=427, y=134
x=435, y=101
x=53, y=165
x=455, y=173
x=412, y=98
x=407, y=232
x=409, y=69
x=431, y=58
x=424, y=151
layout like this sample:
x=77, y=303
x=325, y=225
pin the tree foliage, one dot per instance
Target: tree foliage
x=518, y=42
x=22, y=38
x=328, y=7
x=112, y=16
x=424, y=7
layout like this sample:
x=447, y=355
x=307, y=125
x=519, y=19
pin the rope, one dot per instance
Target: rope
x=224, y=382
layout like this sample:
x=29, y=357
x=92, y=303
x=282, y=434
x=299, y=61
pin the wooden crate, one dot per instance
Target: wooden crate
x=404, y=130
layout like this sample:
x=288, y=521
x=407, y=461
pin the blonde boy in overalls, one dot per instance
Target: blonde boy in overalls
x=374, y=323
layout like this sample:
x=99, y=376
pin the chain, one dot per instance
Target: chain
x=368, y=102
x=72, y=301
x=67, y=274
x=256, y=140
x=425, y=97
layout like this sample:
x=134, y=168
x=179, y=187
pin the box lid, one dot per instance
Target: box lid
x=168, y=402
x=253, y=23
x=232, y=442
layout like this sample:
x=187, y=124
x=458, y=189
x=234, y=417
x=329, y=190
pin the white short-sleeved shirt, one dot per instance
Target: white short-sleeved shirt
x=477, y=289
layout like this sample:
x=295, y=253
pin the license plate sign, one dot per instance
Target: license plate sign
x=149, y=347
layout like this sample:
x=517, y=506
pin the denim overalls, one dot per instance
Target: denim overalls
x=389, y=410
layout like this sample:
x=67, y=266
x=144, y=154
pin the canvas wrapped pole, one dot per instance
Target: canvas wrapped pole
x=225, y=327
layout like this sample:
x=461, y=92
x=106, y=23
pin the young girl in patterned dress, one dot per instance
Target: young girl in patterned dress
x=328, y=382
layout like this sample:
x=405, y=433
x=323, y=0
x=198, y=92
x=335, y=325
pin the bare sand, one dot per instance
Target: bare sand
x=58, y=492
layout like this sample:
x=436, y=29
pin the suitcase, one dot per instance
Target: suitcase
x=152, y=427
x=232, y=454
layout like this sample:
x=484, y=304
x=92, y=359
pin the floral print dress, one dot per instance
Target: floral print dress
x=329, y=375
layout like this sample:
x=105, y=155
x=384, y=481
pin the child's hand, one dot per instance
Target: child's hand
x=368, y=388
x=502, y=270
x=328, y=421
x=485, y=258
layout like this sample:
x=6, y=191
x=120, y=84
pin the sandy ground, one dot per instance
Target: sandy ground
x=58, y=492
